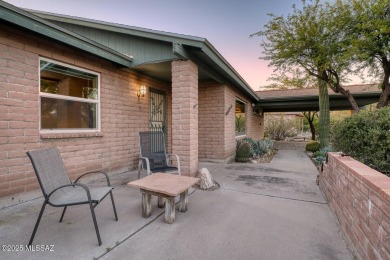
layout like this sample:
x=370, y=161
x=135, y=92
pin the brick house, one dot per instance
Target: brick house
x=88, y=87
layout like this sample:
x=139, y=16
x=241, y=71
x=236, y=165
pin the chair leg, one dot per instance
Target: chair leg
x=113, y=205
x=63, y=213
x=139, y=169
x=95, y=223
x=37, y=224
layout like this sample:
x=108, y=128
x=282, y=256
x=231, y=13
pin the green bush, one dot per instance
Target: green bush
x=366, y=137
x=313, y=146
x=243, y=152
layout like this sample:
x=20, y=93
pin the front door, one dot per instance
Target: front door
x=157, y=110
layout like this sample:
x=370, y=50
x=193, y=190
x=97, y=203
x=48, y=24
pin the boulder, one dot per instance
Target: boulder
x=206, y=179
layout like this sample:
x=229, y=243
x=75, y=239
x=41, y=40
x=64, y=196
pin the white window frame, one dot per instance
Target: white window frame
x=63, y=97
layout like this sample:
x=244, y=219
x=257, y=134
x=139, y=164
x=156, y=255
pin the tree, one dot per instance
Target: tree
x=310, y=116
x=313, y=39
x=369, y=28
x=296, y=79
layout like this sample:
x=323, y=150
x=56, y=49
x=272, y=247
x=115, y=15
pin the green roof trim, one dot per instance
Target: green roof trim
x=193, y=43
x=36, y=24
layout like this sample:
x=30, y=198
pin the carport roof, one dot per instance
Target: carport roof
x=307, y=99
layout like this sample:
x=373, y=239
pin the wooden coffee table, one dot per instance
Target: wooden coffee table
x=166, y=187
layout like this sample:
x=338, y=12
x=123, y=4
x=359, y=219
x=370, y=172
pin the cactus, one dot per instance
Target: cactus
x=313, y=146
x=243, y=152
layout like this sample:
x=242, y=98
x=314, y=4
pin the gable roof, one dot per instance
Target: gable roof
x=38, y=25
x=198, y=49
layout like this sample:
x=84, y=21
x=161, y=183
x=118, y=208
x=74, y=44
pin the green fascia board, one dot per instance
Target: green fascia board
x=33, y=23
x=217, y=58
x=125, y=29
x=185, y=40
x=315, y=97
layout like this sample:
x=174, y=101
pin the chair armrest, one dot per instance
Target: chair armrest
x=72, y=185
x=87, y=173
x=147, y=163
x=178, y=161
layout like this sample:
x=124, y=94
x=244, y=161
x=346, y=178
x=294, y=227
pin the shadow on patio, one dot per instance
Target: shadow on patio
x=261, y=211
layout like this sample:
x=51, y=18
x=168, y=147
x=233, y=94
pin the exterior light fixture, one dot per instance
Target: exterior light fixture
x=141, y=92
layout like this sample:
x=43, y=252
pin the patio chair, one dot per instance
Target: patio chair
x=153, y=156
x=59, y=191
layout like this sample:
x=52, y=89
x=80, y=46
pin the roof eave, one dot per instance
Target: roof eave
x=190, y=41
x=214, y=55
x=34, y=23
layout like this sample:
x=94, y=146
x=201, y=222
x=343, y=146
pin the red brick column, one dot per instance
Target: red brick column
x=185, y=115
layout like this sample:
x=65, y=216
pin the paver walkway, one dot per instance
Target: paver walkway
x=261, y=211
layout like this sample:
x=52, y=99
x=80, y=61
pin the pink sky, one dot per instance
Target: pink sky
x=227, y=24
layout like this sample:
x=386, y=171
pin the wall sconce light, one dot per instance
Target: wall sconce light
x=141, y=92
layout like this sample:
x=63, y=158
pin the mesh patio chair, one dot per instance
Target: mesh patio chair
x=153, y=156
x=59, y=191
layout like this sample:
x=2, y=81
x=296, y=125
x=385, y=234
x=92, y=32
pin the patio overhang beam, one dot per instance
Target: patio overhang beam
x=36, y=24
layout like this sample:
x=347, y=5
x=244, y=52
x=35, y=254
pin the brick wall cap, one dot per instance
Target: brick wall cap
x=377, y=183
x=385, y=193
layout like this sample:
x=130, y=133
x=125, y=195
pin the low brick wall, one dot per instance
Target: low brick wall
x=360, y=198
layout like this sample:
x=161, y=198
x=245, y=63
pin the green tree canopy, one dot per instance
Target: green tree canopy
x=369, y=29
x=312, y=38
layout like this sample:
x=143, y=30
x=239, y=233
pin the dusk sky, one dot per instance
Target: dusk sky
x=227, y=24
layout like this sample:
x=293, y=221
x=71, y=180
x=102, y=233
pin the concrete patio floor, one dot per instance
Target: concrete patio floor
x=261, y=211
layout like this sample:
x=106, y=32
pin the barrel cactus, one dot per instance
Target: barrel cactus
x=243, y=152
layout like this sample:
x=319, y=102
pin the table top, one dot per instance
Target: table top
x=165, y=183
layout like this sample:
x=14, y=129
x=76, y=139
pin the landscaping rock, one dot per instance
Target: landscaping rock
x=206, y=179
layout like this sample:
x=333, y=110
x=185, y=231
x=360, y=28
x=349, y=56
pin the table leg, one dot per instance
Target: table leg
x=170, y=210
x=161, y=201
x=146, y=205
x=183, y=201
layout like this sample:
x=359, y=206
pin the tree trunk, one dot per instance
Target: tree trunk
x=384, y=98
x=350, y=98
x=310, y=118
x=324, y=113
x=313, y=131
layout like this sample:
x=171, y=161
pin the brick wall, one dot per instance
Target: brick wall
x=360, y=198
x=211, y=121
x=217, y=137
x=123, y=115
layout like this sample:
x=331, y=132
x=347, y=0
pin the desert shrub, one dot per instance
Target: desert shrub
x=320, y=156
x=313, y=146
x=366, y=137
x=279, y=127
x=259, y=147
x=243, y=152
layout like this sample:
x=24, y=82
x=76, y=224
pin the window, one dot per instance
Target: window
x=240, y=118
x=69, y=98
